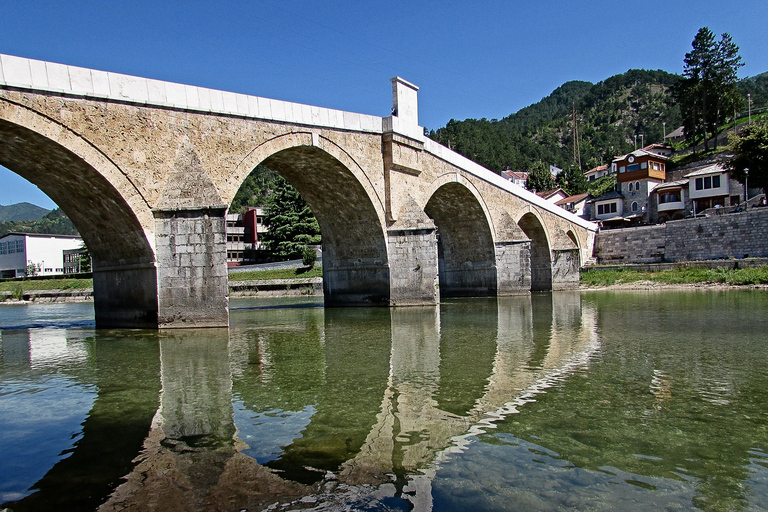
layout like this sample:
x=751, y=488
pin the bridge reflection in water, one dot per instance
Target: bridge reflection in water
x=354, y=428
x=307, y=405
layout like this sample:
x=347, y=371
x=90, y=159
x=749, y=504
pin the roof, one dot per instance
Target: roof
x=40, y=235
x=520, y=175
x=672, y=184
x=710, y=169
x=546, y=194
x=597, y=169
x=610, y=195
x=679, y=132
x=638, y=153
x=573, y=199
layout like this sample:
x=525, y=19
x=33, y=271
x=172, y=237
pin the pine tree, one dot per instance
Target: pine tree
x=539, y=178
x=292, y=226
x=708, y=84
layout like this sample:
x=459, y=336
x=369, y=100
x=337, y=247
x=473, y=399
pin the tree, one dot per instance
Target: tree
x=708, y=86
x=573, y=181
x=539, y=178
x=750, y=161
x=292, y=226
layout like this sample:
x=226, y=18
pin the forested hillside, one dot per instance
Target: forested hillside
x=53, y=223
x=609, y=115
x=21, y=211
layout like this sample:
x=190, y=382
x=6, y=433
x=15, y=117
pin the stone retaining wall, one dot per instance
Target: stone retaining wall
x=737, y=235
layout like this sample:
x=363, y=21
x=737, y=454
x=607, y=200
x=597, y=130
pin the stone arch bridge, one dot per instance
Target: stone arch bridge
x=146, y=170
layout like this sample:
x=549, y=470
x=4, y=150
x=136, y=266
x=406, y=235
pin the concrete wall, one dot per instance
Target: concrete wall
x=737, y=235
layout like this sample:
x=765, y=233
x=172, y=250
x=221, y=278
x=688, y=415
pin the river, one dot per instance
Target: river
x=646, y=400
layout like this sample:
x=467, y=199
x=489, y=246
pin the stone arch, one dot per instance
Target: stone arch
x=111, y=215
x=466, y=252
x=541, y=253
x=575, y=239
x=355, y=260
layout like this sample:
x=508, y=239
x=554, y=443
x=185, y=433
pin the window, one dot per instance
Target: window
x=708, y=182
x=19, y=246
x=656, y=166
x=622, y=169
x=613, y=207
x=634, y=206
x=3, y=248
x=600, y=209
x=637, y=185
x=630, y=187
x=644, y=165
x=633, y=167
x=669, y=197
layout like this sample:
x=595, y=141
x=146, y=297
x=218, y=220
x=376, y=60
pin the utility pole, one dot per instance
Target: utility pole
x=575, y=129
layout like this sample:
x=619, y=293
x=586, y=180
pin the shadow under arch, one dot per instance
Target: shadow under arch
x=124, y=273
x=465, y=247
x=541, y=254
x=573, y=238
x=355, y=261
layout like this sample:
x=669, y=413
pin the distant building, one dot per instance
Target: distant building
x=552, y=196
x=43, y=253
x=74, y=261
x=676, y=135
x=671, y=199
x=660, y=149
x=711, y=187
x=577, y=205
x=554, y=170
x=244, y=232
x=637, y=174
x=597, y=172
x=516, y=177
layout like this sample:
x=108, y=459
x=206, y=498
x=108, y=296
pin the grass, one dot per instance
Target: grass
x=287, y=273
x=18, y=287
x=686, y=275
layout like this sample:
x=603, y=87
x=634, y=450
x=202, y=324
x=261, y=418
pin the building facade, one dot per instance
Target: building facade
x=244, y=246
x=24, y=254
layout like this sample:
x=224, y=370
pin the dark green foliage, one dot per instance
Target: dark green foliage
x=255, y=190
x=292, y=226
x=707, y=92
x=85, y=259
x=602, y=186
x=610, y=114
x=573, y=181
x=53, y=223
x=308, y=256
x=757, y=87
x=539, y=178
x=750, y=149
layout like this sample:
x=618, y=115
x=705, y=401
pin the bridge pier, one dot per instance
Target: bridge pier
x=413, y=266
x=192, y=280
x=513, y=267
x=125, y=295
x=565, y=269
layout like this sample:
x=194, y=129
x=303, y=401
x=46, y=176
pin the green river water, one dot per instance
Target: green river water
x=653, y=400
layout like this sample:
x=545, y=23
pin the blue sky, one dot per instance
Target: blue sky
x=470, y=59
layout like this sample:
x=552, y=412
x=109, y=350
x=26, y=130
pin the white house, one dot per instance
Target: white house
x=709, y=187
x=44, y=252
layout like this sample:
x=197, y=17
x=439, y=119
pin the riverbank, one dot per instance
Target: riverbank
x=298, y=283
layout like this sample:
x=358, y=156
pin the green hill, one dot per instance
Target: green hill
x=53, y=223
x=612, y=116
x=21, y=212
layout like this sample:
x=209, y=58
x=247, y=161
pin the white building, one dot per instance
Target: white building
x=44, y=252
